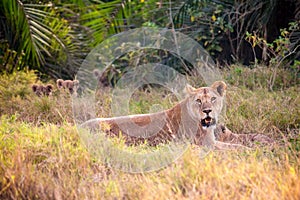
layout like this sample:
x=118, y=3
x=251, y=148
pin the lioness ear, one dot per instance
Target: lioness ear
x=220, y=86
x=190, y=89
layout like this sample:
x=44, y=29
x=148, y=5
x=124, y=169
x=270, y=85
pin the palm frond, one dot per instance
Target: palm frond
x=118, y=15
x=26, y=31
x=47, y=41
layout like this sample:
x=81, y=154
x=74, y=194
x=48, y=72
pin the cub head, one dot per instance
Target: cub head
x=40, y=90
x=37, y=89
x=47, y=90
x=205, y=103
x=69, y=85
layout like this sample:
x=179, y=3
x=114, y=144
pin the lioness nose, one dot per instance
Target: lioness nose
x=207, y=111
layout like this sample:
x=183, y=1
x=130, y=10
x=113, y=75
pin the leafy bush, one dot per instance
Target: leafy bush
x=222, y=27
x=14, y=88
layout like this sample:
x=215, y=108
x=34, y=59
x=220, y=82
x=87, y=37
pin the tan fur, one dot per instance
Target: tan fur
x=69, y=85
x=249, y=139
x=194, y=118
x=41, y=90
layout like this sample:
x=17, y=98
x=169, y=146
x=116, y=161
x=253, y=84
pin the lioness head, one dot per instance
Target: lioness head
x=205, y=103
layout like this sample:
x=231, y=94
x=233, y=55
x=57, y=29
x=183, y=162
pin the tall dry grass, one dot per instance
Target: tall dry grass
x=49, y=162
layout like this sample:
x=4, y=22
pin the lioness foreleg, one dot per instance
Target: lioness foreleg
x=210, y=142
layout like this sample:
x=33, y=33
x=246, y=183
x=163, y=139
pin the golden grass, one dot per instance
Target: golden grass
x=49, y=162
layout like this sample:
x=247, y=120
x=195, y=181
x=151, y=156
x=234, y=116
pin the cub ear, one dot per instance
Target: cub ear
x=59, y=83
x=190, y=89
x=49, y=87
x=34, y=87
x=76, y=82
x=220, y=87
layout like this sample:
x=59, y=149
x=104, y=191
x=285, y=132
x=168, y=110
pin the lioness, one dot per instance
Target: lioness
x=194, y=118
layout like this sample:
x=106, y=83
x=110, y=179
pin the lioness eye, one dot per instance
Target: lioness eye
x=199, y=101
x=213, y=99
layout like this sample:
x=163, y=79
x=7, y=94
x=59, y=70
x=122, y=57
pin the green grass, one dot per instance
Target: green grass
x=42, y=155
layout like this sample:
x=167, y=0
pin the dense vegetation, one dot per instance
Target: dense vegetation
x=53, y=37
x=41, y=153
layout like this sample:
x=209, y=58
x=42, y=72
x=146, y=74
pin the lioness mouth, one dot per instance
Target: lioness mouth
x=207, y=122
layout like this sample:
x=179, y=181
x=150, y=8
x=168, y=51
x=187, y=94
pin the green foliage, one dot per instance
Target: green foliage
x=26, y=31
x=9, y=59
x=224, y=24
x=208, y=16
x=55, y=37
x=41, y=36
x=14, y=88
x=279, y=49
x=108, y=18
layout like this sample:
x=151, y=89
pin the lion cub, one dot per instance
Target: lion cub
x=69, y=85
x=41, y=90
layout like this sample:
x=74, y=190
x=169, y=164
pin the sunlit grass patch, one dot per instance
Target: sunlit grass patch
x=141, y=158
x=50, y=162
